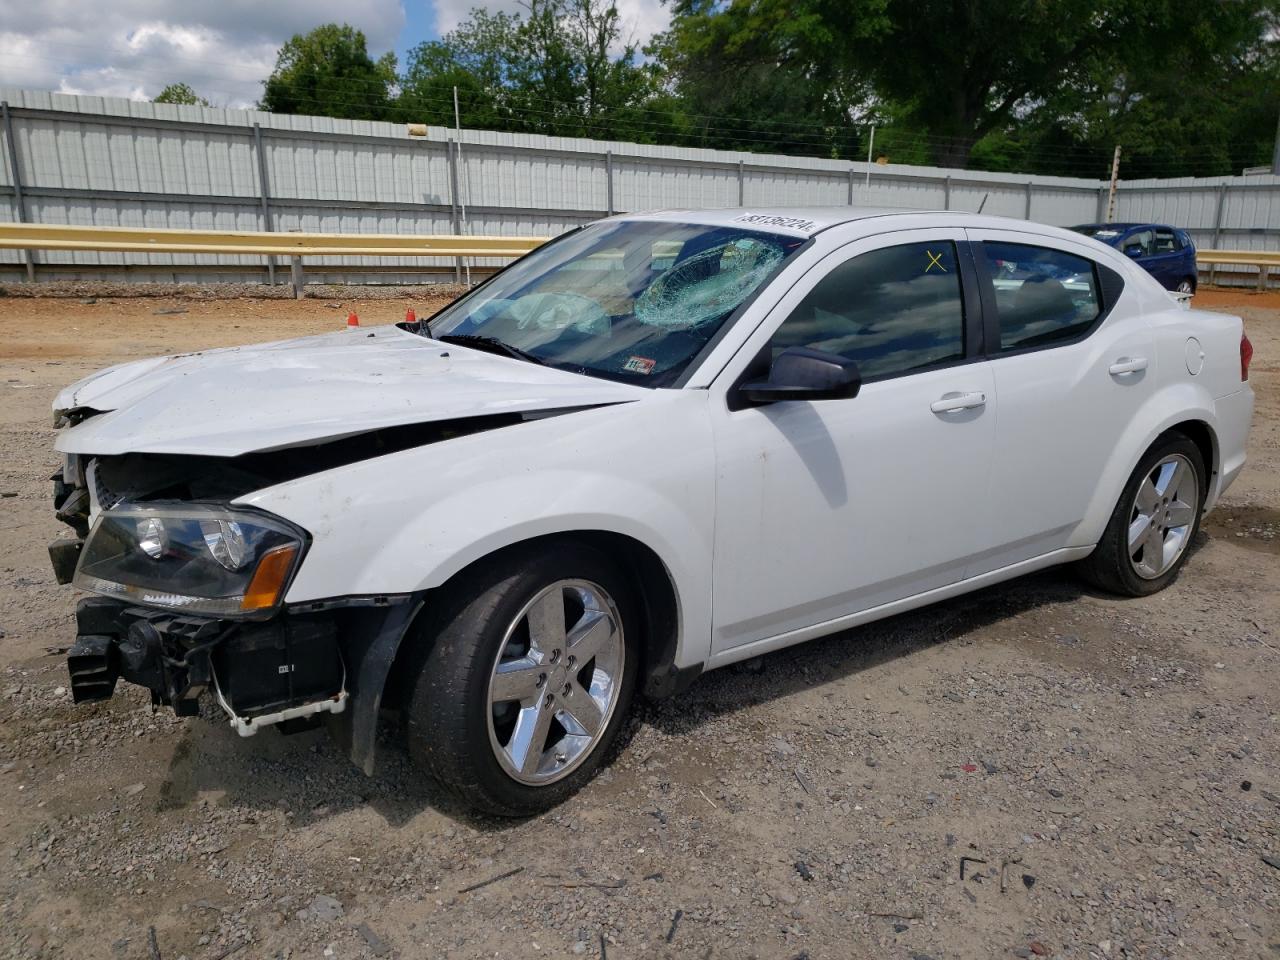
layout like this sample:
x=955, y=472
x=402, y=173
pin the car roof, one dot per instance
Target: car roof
x=800, y=220
x=808, y=221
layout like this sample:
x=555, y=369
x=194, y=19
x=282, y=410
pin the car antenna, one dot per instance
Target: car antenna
x=984, y=201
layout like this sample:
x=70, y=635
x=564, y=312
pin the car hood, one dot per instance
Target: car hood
x=271, y=396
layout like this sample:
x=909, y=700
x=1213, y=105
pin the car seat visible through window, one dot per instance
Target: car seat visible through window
x=1041, y=305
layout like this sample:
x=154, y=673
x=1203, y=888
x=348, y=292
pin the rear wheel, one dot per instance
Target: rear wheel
x=527, y=680
x=1186, y=285
x=1146, y=540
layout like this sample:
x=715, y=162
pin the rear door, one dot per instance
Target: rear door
x=1070, y=372
x=1166, y=260
x=1189, y=267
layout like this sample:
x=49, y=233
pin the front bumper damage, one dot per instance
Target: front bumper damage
x=308, y=662
x=315, y=661
x=282, y=670
x=320, y=659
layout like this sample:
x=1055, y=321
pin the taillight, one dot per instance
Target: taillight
x=1246, y=354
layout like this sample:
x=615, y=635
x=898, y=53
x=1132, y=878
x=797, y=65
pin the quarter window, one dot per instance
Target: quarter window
x=891, y=310
x=1042, y=296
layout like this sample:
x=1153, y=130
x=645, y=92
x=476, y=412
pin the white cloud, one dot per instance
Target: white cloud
x=641, y=19
x=644, y=18
x=450, y=13
x=134, y=48
x=223, y=49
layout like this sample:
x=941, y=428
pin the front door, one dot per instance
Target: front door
x=828, y=508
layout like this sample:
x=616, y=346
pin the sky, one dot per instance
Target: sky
x=223, y=49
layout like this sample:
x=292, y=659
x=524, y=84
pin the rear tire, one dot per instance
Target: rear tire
x=527, y=676
x=1146, y=540
x=1186, y=285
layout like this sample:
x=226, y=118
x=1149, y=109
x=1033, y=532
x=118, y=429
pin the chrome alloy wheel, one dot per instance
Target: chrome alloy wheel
x=1184, y=286
x=556, y=681
x=1163, y=515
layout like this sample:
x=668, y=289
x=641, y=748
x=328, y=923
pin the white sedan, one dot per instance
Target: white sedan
x=655, y=446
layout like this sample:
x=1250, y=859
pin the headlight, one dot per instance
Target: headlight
x=203, y=560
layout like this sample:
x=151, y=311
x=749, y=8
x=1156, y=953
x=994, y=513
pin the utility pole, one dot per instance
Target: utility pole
x=871, y=142
x=1115, y=179
x=1275, y=151
x=457, y=126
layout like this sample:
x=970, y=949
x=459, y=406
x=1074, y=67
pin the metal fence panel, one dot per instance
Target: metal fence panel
x=177, y=214
x=110, y=161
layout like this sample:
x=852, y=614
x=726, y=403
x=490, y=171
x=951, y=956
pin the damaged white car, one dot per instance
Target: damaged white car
x=655, y=446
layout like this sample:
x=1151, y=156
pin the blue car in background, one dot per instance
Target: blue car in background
x=1166, y=253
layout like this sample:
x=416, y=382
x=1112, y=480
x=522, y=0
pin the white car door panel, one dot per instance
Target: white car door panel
x=1063, y=406
x=831, y=507
x=826, y=508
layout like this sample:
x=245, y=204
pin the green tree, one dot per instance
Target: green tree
x=477, y=59
x=328, y=72
x=950, y=74
x=182, y=94
x=561, y=67
x=740, y=81
x=1199, y=98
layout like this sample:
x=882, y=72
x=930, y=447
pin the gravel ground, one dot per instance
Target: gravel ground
x=1033, y=770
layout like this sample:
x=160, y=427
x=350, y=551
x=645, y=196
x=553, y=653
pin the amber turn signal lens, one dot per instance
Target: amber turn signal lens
x=269, y=579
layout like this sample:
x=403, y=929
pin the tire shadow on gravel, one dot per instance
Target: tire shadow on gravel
x=849, y=652
x=307, y=774
x=311, y=776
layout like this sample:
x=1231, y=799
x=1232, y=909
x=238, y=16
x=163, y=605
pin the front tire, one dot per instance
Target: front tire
x=1145, y=543
x=527, y=679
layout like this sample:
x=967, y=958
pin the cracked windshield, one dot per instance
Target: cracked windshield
x=631, y=301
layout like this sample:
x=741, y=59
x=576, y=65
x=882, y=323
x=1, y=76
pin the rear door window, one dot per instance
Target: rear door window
x=1143, y=240
x=1042, y=296
x=1166, y=242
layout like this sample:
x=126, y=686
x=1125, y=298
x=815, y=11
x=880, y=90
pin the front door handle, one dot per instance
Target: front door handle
x=955, y=402
x=1127, y=365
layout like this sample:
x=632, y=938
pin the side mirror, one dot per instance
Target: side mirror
x=799, y=373
x=1133, y=250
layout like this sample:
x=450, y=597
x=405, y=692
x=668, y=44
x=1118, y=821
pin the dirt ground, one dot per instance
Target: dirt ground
x=1110, y=768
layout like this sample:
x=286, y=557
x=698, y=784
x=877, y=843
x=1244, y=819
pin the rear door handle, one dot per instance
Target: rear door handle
x=1127, y=365
x=955, y=402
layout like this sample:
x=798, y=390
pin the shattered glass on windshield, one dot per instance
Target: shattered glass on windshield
x=708, y=284
x=634, y=300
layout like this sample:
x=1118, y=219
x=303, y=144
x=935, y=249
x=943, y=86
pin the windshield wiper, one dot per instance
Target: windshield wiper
x=490, y=345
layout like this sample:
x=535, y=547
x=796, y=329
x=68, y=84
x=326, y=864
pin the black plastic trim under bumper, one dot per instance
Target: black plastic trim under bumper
x=175, y=656
x=671, y=681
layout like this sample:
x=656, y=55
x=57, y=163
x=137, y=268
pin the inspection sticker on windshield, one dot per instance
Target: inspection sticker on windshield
x=639, y=365
x=771, y=220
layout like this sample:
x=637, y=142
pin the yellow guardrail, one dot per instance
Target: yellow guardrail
x=1264, y=260
x=1249, y=258
x=39, y=236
